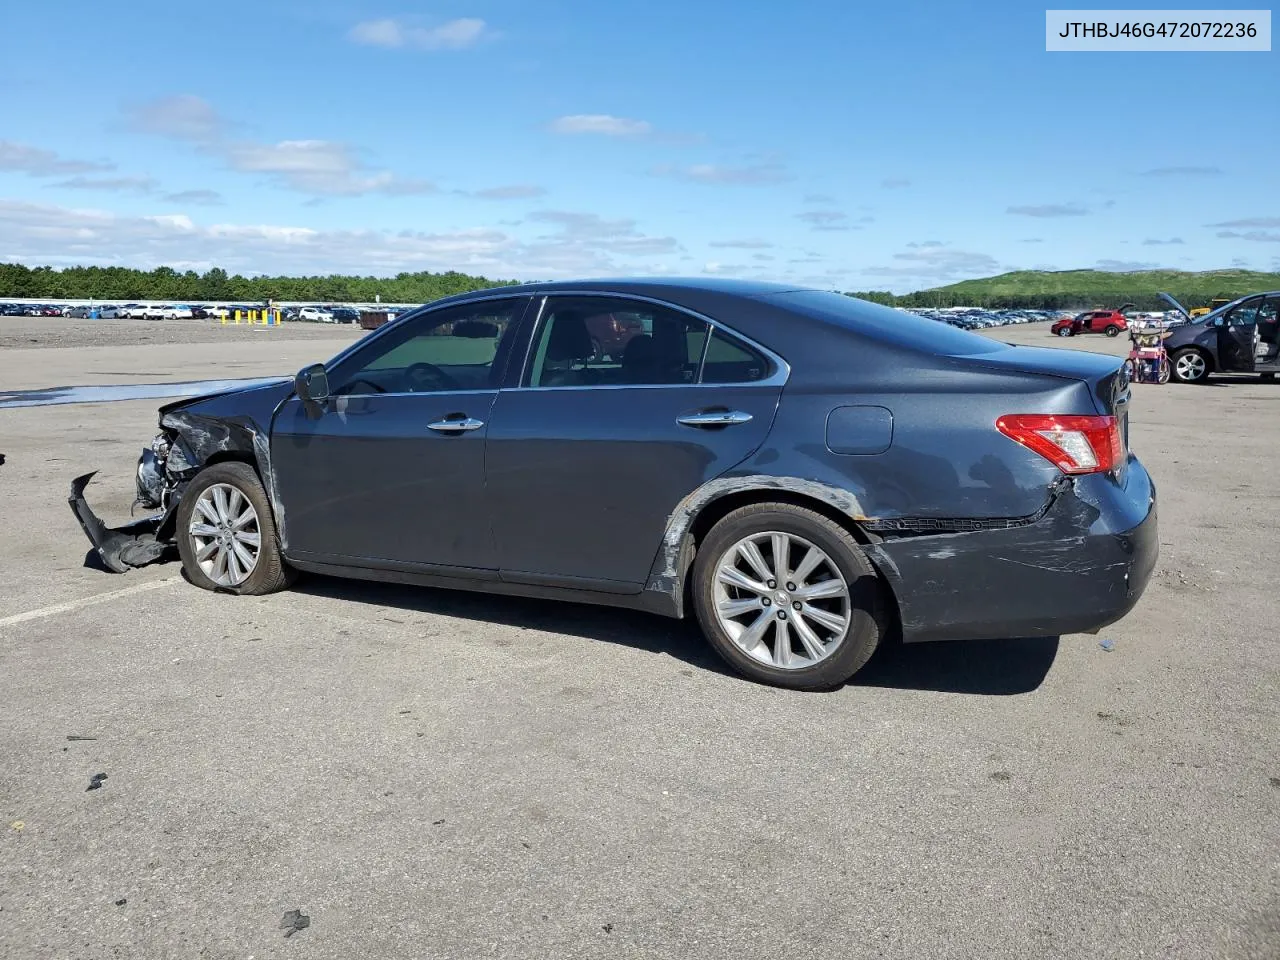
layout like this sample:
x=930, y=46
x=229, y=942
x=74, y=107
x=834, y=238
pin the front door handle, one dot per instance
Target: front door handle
x=460, y=425
x=714, y=418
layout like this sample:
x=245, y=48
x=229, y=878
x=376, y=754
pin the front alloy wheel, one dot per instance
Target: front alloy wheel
x=226, y=535
x=1190, y=366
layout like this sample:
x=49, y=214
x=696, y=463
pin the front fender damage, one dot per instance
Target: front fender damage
x=187, y=443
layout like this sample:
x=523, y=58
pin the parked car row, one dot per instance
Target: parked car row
x=974, y=318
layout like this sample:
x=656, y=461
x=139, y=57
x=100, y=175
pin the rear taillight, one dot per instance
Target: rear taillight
x=1074, y=444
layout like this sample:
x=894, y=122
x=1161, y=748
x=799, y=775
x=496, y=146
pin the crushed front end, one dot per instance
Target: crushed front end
x=149, y=538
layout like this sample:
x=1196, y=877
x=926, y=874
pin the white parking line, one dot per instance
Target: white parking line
x=58, y=608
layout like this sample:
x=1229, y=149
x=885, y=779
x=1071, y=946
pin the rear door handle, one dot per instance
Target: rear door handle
x=714, y=418
x=456, y=426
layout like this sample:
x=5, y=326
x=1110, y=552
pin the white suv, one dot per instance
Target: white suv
x=315, y=314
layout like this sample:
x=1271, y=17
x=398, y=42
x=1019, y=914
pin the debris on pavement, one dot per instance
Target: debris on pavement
x=122, y=901
x=294, y=921
x=72, y=736
x=1107, y=645
x=95, y=782
x=133, y=545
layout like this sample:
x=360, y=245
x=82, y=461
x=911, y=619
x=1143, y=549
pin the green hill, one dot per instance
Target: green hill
x=1082, y=289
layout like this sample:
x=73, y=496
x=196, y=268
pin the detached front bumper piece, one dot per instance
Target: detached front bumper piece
x=133, y=545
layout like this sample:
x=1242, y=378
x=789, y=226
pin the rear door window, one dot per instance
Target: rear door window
x=729, y=360
x=603, y=341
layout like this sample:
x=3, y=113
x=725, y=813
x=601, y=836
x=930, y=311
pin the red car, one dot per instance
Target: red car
x=1108, y=322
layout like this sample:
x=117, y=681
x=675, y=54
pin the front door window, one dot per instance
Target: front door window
x=456, y=349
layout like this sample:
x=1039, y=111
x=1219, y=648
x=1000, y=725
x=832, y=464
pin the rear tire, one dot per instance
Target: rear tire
x=1112, y=331
x=200, y=533
x=832, y=584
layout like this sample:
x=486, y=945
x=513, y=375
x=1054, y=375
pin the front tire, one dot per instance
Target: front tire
x=227, y=534
x=1190, y=366
x=1064, y=332
x=787, y=597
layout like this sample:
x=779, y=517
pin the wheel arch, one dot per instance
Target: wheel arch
x=688, y=528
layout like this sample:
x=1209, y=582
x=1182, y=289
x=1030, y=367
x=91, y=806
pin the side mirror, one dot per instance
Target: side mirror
x=312, y=383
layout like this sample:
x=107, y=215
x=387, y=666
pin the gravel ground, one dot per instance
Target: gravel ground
x=53, y=332
x=423, y=773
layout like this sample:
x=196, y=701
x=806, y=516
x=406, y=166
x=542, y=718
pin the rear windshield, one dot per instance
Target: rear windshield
x=884, y=323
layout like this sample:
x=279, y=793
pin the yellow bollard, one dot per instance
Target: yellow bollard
x=237, y=318
x=224, y=319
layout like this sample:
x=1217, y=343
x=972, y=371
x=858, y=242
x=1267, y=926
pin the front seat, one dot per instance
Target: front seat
x=568, y=345
x=640, y=361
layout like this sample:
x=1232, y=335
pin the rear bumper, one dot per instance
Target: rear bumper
x=1082, y=566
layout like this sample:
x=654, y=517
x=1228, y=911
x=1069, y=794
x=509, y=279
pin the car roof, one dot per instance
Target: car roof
x=658, y=288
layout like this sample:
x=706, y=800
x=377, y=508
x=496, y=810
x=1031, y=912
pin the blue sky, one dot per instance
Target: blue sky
x=851, y=146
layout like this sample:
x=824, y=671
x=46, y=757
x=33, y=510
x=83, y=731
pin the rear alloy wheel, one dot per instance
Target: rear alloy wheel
x=787, y=597
x=226, y=533
x=1190, y=366
x=1112, y=331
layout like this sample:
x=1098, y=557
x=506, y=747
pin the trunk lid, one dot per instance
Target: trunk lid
x=1107, y=377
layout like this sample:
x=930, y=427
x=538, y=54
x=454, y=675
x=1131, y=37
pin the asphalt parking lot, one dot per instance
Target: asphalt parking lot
x=426, y=774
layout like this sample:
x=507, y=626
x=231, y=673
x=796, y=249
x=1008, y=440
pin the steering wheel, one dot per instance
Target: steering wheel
x=351, y=387
x=423, y=377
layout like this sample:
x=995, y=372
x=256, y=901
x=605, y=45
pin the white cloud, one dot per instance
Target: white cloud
x=318, y=167
x=895, y=183
x=1153, y=242
x=23, y=158
x=515, y=191
x=209, y=198
x=584, y=232
x=581, y=244
x=321, y=168
x=394, y=34
x=180, y=117
x=109, y=184
x=826, y=219
x=932, y=263
x=1182, y=172
x=1256, y=236
x=1050, y=210
x=757, y=174
x=601, y=123
x=1125, y=266
x=1249, y=222
x=748, y=244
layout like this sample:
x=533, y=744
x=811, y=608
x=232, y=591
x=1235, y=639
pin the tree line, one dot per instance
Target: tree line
x=167, y=284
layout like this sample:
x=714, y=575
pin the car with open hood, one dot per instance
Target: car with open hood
x=1242, y=336
x=805, y=473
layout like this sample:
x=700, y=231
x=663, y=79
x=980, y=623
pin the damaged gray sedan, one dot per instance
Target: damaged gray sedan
x=804, y=472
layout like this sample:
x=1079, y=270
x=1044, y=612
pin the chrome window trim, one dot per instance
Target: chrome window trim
x=408, y=393
x=779, y=377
